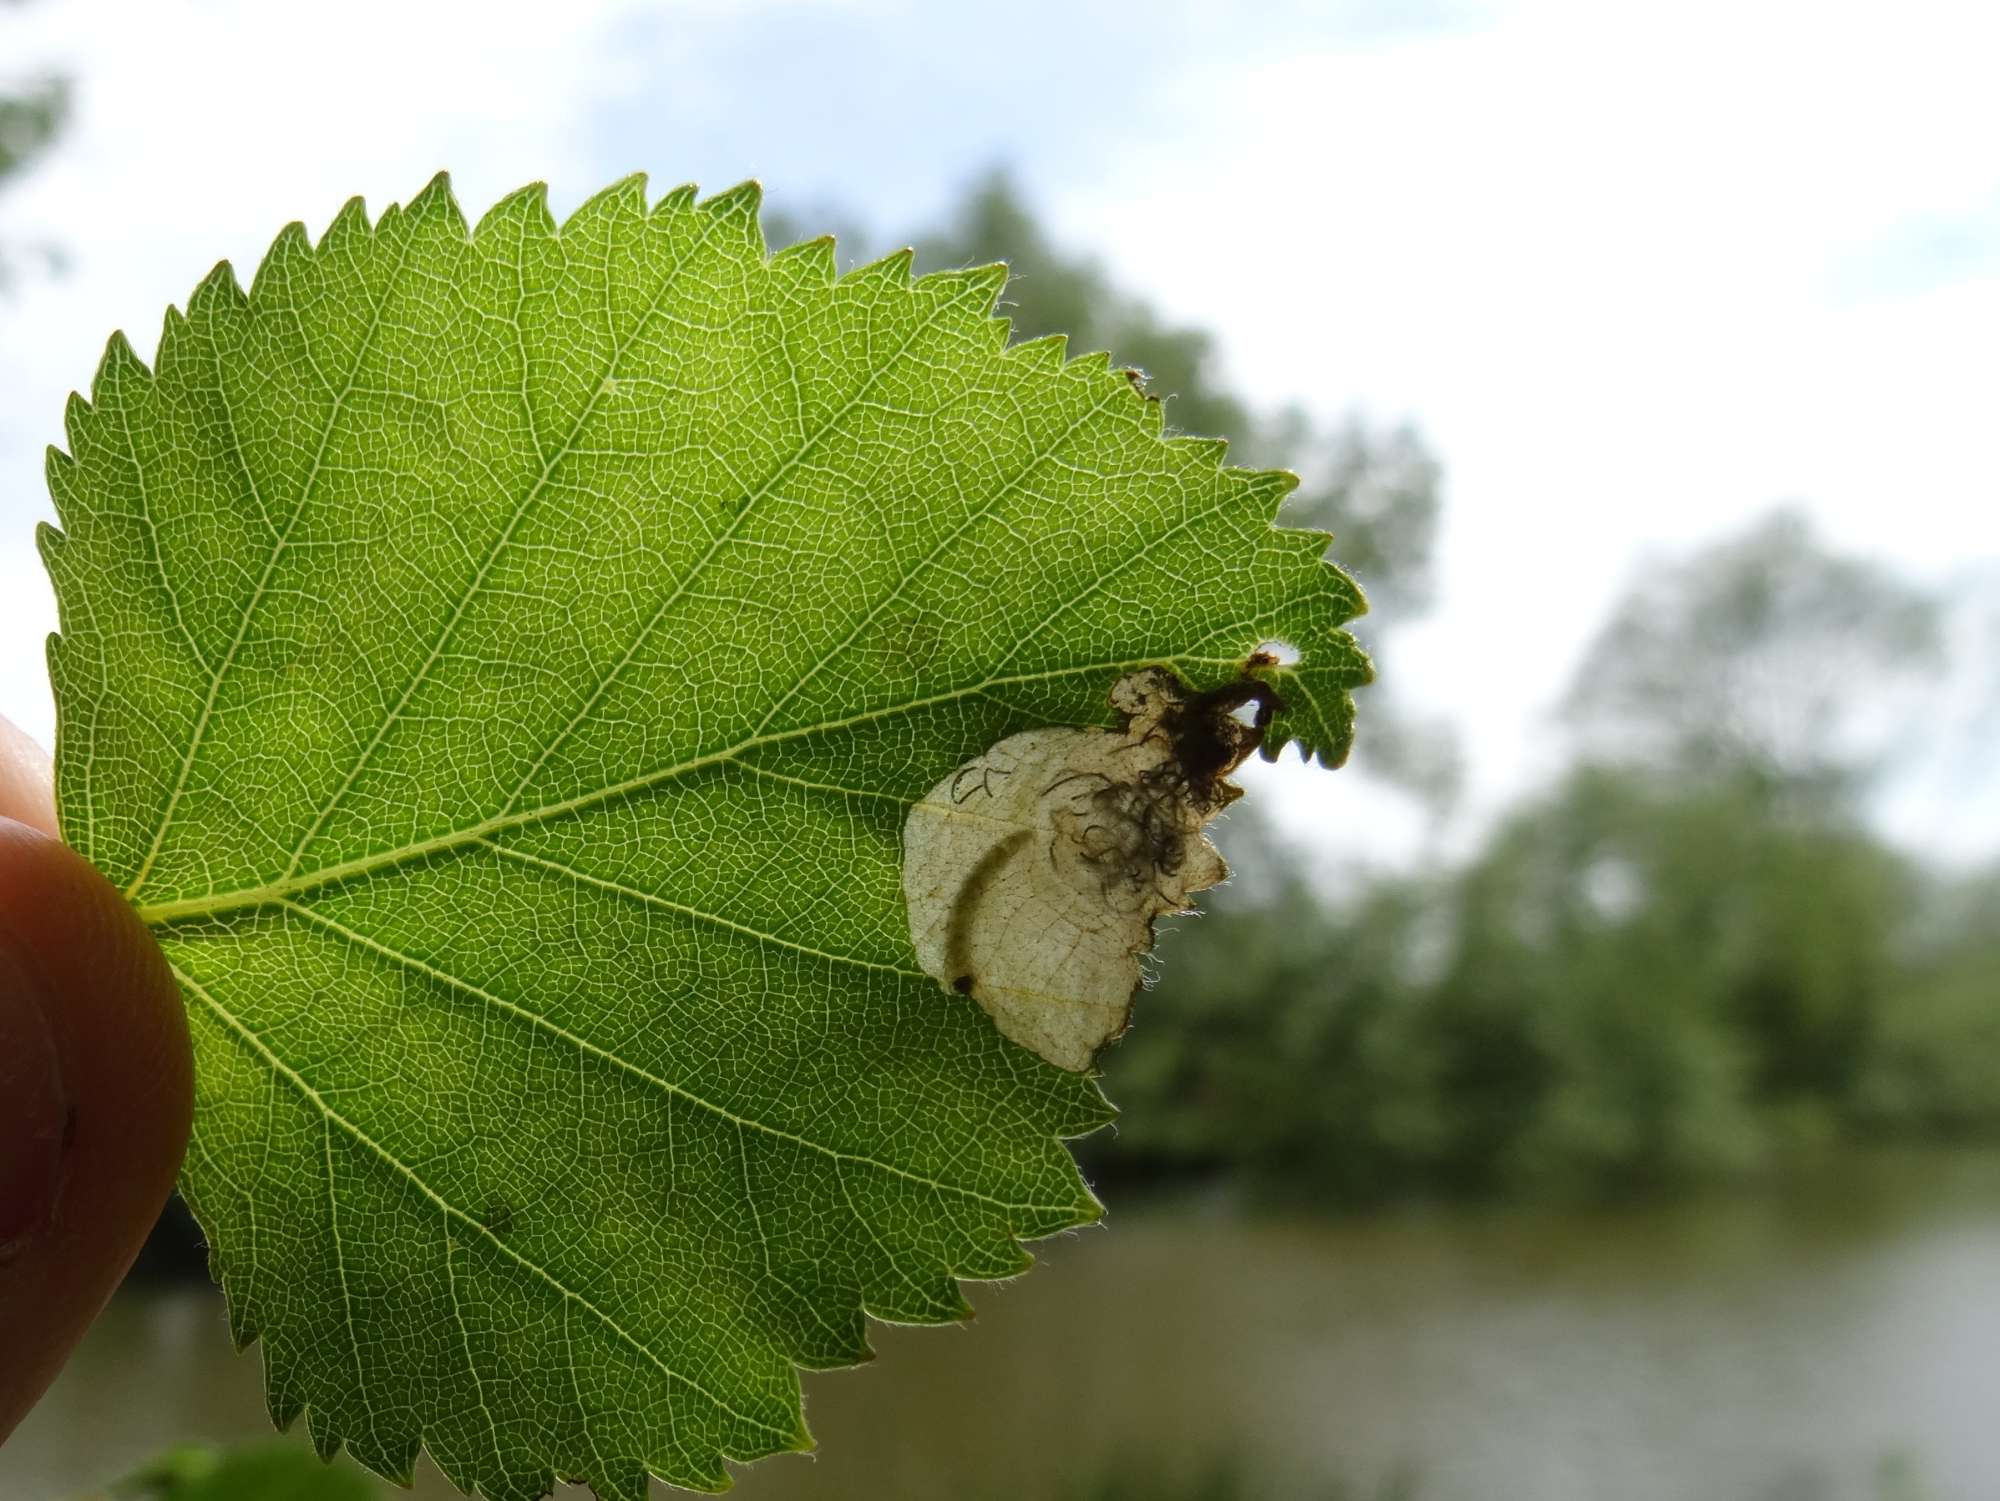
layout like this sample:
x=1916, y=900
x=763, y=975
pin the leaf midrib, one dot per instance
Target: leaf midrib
x=292, y=882
x=217, y=903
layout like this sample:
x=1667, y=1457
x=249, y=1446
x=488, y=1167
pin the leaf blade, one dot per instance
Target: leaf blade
x=469, y=643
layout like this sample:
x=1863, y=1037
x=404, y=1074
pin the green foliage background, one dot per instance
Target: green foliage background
x=32, y=112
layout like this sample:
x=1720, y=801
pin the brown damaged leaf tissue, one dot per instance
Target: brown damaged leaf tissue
x=1034, y=873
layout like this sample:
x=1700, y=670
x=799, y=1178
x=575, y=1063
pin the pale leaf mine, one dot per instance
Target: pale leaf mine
x=1034, y=873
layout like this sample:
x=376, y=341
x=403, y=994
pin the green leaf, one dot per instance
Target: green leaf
x=499, y=665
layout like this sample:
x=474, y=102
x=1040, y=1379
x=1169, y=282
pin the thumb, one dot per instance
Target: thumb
x=95, y=1086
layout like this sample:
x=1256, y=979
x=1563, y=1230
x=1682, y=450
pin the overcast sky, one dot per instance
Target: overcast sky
x=1638, y=272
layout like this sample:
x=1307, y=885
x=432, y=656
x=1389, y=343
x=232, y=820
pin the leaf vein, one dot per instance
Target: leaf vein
x=520, y=512
x=696, y=914
x=221, y=671
x=215, y=903
x=742, y=509
x=916, y=570
x=331, y=1118
x=584, y=1046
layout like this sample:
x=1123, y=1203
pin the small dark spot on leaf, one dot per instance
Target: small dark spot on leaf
x=1138, y=380
x=498, y=1219
x=1210, y=741
x=963, y=985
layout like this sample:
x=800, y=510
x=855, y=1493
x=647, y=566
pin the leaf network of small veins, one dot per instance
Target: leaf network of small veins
x=299, y=879
x=290, y=884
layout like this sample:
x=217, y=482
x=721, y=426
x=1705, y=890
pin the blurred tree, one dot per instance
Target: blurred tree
x=30, y=113
x=1673, y=977
x=268, y=1471
x=1052, y=291
x=1148, y=1477
x=1935, y=1069
x=1694, y=948
x=1639, y=981
x=1377, y=491
x=32, y=110
x=1763, y=653
x=1689, y=953
x=1291, y=1047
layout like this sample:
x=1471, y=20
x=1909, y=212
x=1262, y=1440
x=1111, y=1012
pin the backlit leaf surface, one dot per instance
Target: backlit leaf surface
x=498, y=664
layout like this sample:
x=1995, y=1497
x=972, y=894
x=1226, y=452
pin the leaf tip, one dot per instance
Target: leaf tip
x=1048, y=352
x=810, y=261
x=526, y=208
x=627, y=194
x=1272, y=486
x=118, y=349
x=173, y=329
x=1209, y=452
x=349, y=223
x=77, y=412
x=284, y=259
x=892, y=269
x=678, y=199
x=215, y=292
x=743, y=205
x=745, y=196
x=121, y=363
x=436, y=194
x=56, y=464
x=988, y=282
x=1151, y=409
x=293, y=239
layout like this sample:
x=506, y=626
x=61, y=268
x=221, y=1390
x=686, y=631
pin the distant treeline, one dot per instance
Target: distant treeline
x=1642, y=980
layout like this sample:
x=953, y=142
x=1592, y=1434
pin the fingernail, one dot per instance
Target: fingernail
x=34, y=1112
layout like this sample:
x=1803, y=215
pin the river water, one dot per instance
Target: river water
x=1833, y=1336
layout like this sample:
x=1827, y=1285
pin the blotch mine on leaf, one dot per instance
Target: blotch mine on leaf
x=1034, y=873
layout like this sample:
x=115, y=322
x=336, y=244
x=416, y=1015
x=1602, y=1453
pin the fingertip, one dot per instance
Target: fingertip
x=74, y=952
